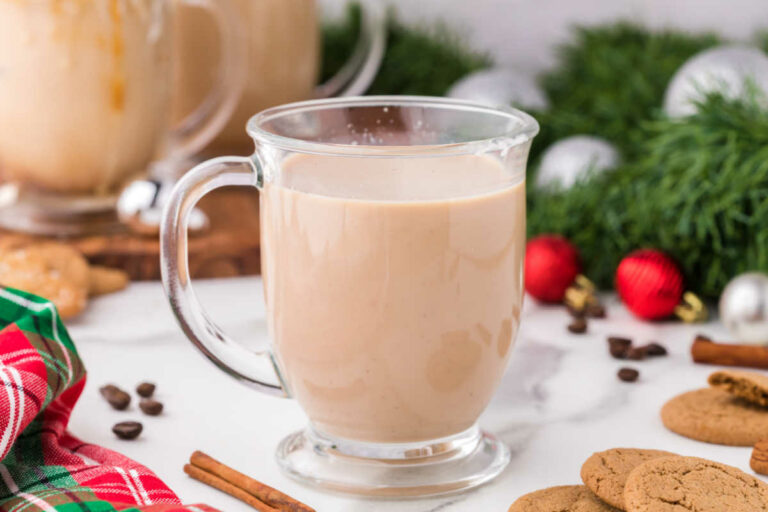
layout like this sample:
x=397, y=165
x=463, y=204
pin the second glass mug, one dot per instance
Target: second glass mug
x=393, y=236
x=85, y=94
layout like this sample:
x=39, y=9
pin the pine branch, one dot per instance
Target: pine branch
x=698, y=190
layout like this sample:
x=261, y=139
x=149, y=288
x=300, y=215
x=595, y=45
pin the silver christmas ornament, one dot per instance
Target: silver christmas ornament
x=727, y=69
x=574, y=158
x=500, y=87
x=744, y=307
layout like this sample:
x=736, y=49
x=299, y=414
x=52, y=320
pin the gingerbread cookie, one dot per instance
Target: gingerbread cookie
x=565, y=498
x=10, y=241
x=674, y=484
x=53, y=271
x=103, y=280
x=751, y=386
x=64, y=260
x=715, y=416
x=605, y=473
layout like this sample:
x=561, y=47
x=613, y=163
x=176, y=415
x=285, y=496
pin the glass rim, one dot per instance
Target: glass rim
x=527, y=127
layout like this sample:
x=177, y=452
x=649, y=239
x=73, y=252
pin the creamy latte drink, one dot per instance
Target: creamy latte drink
x=83, y=91
x=393, y=289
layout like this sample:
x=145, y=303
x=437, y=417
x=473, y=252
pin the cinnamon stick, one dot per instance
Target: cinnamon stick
x=263, y=492
x=706, y=351
x=224, y=486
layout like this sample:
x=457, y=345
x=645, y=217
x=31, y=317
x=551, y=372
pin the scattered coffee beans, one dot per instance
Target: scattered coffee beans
x=127, y=429
x=151, y=407
x=619, y=346
x=628, y=374
x=116, y=397
x=654, y=349
x=145, y=389
x=120, y=400
x=578, y=326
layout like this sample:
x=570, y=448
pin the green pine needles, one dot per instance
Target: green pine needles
x=695, y=188
x=698, y=190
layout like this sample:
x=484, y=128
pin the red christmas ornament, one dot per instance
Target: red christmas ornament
x=649, y=283
x=551, y=265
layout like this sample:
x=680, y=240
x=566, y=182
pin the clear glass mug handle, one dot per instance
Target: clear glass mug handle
x=257, y=369
x=205, y=122
x=354, y=78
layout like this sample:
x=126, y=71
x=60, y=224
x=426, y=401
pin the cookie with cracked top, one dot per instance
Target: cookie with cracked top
x=715, y=416
x=674, y=484
x=605, y=473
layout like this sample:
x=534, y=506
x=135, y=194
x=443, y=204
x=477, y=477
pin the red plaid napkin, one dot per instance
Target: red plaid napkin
x=43, y=467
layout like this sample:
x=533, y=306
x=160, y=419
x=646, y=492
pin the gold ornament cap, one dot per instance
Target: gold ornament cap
x=691, y=309
x=581, y=294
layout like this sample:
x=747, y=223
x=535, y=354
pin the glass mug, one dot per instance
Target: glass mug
x=85, y=105
x=393, y=236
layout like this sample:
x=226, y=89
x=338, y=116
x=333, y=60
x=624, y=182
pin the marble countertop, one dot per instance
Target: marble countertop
x=559, y=402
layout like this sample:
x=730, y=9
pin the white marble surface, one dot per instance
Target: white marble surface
x=559, y=402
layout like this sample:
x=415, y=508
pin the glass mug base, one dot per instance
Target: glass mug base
x=398, y=470
x=39, y=213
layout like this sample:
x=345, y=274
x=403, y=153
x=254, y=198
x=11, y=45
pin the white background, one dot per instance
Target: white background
x=522, y=33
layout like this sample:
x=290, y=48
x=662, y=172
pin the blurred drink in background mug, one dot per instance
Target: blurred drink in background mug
x=393, y=235
x=282, y=43
x=85, y=92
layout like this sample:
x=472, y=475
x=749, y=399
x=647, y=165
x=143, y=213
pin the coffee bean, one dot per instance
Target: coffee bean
x=637, y=353
x=145, y=389
x=575, y=313
x=116, y=397
x=127, y=429
x=595, y=311
x=654, y=349
x=108, y=388
x=618, y=346
x=618, y=352
x=578, y=326
x=628, y=374
x=620, y=340
x=151, y=407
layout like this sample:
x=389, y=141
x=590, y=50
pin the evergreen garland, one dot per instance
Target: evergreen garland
x=698, y=190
